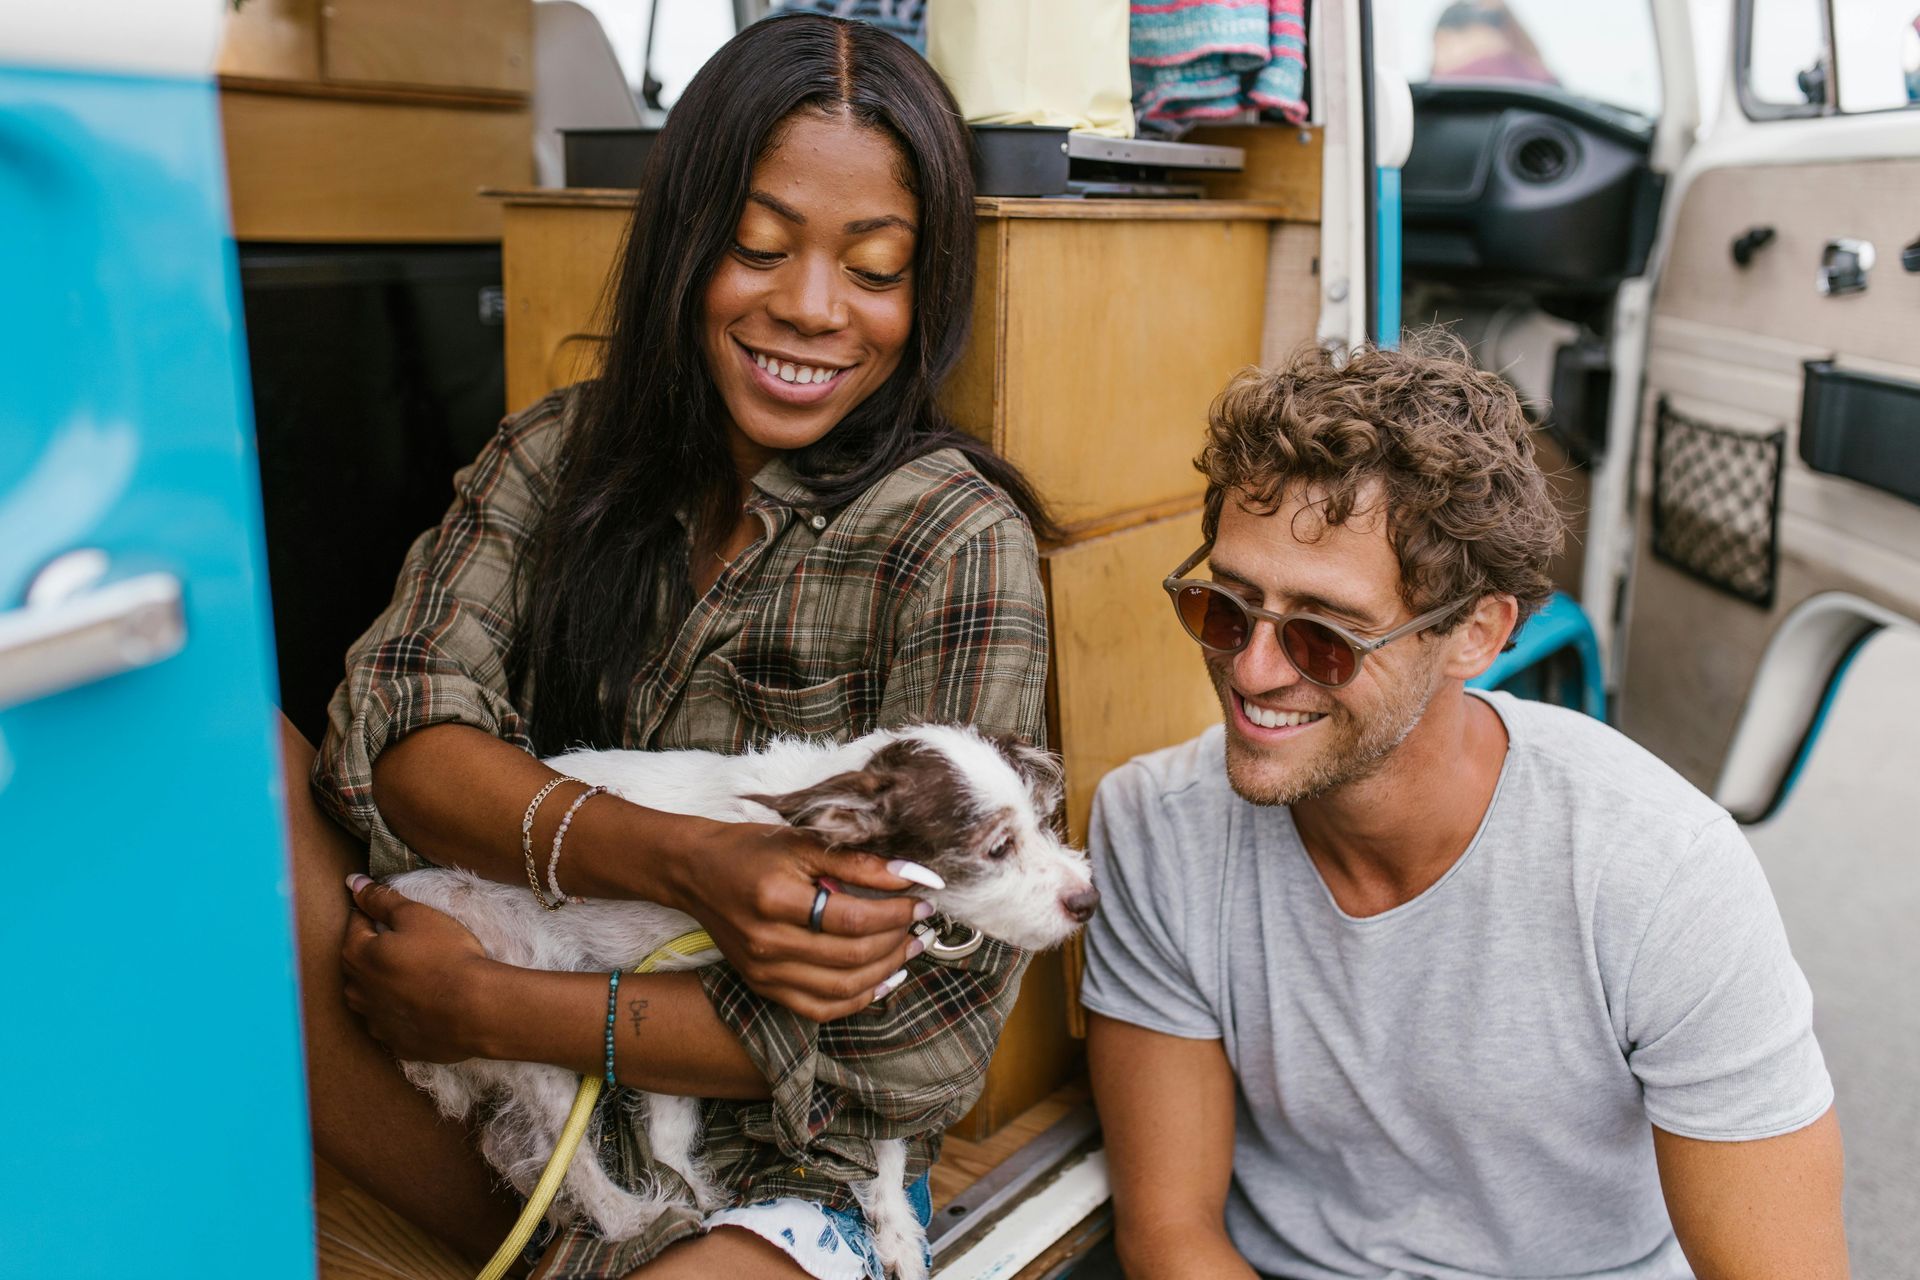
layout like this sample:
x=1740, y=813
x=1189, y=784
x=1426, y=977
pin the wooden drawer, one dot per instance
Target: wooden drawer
x=333, y=169
x=1125, y=678
x=1098, y=344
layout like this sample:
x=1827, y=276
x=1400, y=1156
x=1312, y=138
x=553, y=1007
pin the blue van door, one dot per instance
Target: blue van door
x=152, y=1100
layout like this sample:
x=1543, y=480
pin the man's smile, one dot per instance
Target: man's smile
x=1272, y=719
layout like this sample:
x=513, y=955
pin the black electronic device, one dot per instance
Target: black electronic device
x=1042, y=160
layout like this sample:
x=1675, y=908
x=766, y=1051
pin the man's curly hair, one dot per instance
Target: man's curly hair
x=1445, y=445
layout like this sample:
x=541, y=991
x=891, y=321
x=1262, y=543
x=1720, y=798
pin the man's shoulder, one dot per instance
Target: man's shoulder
x=1186, y=775
x=1625, y=820
x=1171, y=804
x=1589, y=763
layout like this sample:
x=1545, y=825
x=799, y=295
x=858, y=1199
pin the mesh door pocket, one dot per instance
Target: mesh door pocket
x=1716, y=503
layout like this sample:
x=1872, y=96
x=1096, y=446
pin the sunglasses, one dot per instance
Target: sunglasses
x=1320, y=649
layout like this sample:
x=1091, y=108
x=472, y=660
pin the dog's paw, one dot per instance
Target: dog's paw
x=904, y=1258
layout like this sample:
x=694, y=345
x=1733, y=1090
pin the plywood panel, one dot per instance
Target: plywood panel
x=557, y=265
x=326, y=169
x=1127, y=679
x=1283, y=166
x=1113, y=338
x=447, y=44
x=272, y=40
x=1774, y=296
x=974, y=387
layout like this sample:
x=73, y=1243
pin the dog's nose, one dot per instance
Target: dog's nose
x=1080, y=904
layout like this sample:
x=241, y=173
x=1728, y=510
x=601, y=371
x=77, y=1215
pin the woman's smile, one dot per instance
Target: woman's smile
x=790, y=379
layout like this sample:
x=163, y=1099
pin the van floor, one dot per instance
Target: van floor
x=360, y=1239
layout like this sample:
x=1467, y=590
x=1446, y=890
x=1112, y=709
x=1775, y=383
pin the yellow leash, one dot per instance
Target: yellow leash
x=687, y=944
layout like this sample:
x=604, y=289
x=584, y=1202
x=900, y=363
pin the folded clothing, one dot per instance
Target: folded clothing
x=1198, y=60
x=904, y=18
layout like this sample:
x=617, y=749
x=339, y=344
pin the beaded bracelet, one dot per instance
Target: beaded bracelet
x=526, y=838
x=560, y=835
x=613, y=996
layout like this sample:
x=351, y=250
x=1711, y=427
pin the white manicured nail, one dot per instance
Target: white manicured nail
x=915, y=872
x=890, y=986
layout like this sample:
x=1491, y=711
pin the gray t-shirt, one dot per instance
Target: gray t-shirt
x=1462, y=1086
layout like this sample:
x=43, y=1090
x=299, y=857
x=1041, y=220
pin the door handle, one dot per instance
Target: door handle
x=73, y=631
x=1844, y=265
x=1750, y=242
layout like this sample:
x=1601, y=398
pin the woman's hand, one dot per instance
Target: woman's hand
x=413, y=973
x=752, y=886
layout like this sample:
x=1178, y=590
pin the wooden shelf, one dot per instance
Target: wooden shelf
x=402, y=95
x=983, y=206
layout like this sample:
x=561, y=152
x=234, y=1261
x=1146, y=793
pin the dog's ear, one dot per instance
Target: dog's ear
x=1039, y=769
x=845, y=810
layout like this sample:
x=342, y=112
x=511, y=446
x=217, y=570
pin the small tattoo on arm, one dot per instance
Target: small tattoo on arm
x=636, y=1014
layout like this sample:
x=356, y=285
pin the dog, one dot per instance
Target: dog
x=973, y=809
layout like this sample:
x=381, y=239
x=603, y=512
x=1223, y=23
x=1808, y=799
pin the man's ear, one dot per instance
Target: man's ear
x=844, y=811
x=1476, y=642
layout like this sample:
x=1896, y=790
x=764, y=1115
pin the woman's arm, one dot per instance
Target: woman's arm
x=457, y=795
x=430, y=994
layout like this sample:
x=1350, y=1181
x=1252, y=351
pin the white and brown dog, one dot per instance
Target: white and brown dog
x=975, y=810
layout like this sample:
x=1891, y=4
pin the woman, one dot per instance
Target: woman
x=753, y=523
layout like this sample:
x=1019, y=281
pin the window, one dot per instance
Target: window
x=1789, y=56
x=1601, y=52
x=690, y=30
x=1876, y=48
x=1782, y=50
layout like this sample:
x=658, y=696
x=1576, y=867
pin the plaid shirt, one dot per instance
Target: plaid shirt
x=918, y=600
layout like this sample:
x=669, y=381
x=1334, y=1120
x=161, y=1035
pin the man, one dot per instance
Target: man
x=1392, y=979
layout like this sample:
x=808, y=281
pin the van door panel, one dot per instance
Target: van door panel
x=1726, y=346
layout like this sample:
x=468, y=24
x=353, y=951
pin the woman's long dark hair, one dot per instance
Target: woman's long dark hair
x=650, y=437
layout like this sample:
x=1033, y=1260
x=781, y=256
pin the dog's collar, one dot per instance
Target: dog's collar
x=947, y=941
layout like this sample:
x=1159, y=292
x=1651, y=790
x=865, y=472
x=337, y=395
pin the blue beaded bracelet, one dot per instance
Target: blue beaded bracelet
x=613, y=995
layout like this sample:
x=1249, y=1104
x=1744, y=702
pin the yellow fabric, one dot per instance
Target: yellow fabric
x=1061, y=62
x=691, y=943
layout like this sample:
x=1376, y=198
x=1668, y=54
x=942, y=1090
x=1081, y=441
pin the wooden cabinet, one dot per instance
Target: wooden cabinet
x=375, y=120
x=1126, y=679
x=1101, y=333
x=1098, y=342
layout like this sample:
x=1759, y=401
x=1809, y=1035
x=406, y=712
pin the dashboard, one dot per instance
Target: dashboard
x=1518, y=186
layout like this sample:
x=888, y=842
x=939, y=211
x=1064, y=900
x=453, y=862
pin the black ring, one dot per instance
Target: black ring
x=819, y=908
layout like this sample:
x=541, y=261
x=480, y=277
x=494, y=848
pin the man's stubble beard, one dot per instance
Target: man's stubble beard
x=1346, y=755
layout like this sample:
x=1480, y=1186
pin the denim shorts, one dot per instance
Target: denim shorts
x=828, y=1244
